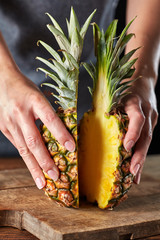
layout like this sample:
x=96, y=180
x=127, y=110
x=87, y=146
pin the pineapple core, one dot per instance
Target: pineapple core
x=99, y=157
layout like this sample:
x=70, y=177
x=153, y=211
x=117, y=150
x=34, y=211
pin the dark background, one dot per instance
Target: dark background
x=155, y=146
x=7, y=149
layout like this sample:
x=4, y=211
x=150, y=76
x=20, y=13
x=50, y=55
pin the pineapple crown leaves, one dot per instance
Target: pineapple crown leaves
x=64, y=70
x=110, y=64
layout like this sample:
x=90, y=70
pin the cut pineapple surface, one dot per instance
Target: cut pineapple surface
x=101, y=157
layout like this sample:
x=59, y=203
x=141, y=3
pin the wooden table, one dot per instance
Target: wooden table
x=149, y=187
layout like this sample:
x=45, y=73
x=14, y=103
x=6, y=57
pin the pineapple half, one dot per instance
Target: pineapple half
x=104, y=164
x=64, y=70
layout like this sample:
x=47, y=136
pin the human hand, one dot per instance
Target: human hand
x=21, y=104
x=141, y=108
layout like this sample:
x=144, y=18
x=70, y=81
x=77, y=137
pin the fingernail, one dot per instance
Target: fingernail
x=129, y=145
x=70, y=146
x=136, y=169
x=53, y=174
x=138, y=178
x=39, y=183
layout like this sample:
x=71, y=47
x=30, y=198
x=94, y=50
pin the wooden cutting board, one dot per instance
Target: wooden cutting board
x=23, y=206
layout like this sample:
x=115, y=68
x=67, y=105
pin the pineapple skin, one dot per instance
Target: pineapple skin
x=121, y=176
x=65, y=190
x=64, y=71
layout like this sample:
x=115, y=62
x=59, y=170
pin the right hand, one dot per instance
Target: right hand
x=21, y=104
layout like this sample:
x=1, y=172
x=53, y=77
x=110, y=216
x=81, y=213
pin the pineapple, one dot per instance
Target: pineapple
x=64, y=70
x=104, y=164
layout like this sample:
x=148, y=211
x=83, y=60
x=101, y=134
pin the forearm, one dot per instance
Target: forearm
x=147, y=35
x=141, y=105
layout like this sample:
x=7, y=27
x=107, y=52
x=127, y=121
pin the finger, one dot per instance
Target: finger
x=36, y=146
x=33, y=166
x=136, y=123
x=140, y=152
x=154, y=118
x=28, y=158
x=45, y=112
x=5, y=131
x=7, y=134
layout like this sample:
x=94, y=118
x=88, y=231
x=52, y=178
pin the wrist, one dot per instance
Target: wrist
x=7, y=62
x=146, y=73
x=147, y=64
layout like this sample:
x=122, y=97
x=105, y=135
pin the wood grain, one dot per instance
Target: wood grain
x=152, y=238
x=11, y=163
x=8, y=233
x=15, y=178
x=24, y=206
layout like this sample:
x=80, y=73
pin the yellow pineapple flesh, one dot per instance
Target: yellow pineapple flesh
x=105, y=157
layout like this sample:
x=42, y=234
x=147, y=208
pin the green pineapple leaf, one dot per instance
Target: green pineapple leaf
x=49, y=64
x=129, y=74
x=60, y=37
x=127, y=56
x=68, y=27
x=86, y=25
x=65, y=70
x=123, y=37
x=73, y=23
x=76, y=45
x=63, y=91
x=123, y=70
x=50, y=50
x=54, y=77
x=55, y=24
x=90, y=69
x=118, y=50
x=71, y=60
x=111, y=68
x=111, y=31
x=90, y=90
x=96, y=37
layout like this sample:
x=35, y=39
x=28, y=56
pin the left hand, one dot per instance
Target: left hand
x=141, y=108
